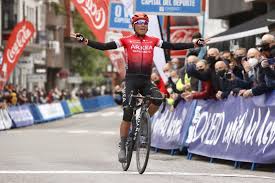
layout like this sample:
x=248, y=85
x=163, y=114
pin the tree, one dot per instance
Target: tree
x=88, y=62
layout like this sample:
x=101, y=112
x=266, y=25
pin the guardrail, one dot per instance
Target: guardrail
x=237, y=129
x=29, y=114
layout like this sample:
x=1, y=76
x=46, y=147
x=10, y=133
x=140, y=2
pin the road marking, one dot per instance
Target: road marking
x=96, y=114
x=133, y=173
x=108, y=114
x=77, y=131
x=108, y=133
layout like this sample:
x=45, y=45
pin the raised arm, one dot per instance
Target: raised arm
x=102, y=46
x=94, y=44
x=182, y=46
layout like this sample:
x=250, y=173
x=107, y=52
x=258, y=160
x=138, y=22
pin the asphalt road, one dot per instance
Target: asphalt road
x=84, y=148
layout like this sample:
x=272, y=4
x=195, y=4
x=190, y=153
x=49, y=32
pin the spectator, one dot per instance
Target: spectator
x=239, y=56
x=250, y=64
x=22, y=97
x=206, y=91
x=167, y=69
x=237, y=70
x=267, y=46
x=174, y=93
x=185, y=78
x=49, y=98
x=175, y=64
x=3, y=104
x=228, y=81
x=209, y=74
x=199, y=52
x=156, y=79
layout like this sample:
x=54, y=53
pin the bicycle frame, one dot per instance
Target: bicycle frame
x=143, y=108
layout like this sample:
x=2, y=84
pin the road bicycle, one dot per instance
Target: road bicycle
x=139, y=138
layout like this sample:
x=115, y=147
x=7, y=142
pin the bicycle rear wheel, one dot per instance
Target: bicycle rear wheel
x=143, y=143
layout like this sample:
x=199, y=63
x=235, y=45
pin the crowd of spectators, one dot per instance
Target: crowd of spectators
x=215, y=74
x=14, y=95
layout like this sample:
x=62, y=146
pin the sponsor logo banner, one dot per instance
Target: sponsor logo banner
x=169, y=7
x=51, y=111
x=181, y=34
x=119, y=17
x=19, y=38
x=235, y=129
x=95, y=14
x=169, y=129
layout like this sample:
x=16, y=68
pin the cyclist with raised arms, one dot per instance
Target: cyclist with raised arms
x=139, y=50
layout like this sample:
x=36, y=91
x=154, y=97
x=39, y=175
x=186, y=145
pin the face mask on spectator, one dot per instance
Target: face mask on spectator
x=253, y=62
x=167, y=74
x=156, y=82
x=226, y=61
x=200, y=70
x=174, y=66
x=174, y=79
x=272, y=51
x=170, y=90
x=221, y=73
x=239, y=58
x=211, y=59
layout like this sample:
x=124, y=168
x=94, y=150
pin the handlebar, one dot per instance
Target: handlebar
x=163, y=99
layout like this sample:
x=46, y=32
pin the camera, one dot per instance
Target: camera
x=271, y=61
x=228, y=75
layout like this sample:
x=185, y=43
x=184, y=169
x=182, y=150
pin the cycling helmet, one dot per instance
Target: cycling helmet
x=139, y=16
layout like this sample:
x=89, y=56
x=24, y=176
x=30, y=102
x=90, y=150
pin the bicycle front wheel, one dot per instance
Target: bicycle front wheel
x=129, y=146
x=143, y=143
x=129, y=152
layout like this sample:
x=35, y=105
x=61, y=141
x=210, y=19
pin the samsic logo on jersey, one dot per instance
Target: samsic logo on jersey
x=136, y=48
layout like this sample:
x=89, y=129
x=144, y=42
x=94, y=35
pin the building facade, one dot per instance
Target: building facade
x=246, y=21
x=42, y=62
x=14, y=11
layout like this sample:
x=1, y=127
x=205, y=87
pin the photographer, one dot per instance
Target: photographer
x=267, y=47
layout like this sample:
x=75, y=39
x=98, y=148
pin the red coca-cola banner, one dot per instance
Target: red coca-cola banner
x=95, y=14
x=19, y=38
x=181, y=34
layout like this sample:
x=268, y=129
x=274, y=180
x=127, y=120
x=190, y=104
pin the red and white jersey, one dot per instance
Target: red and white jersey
x=139, y=53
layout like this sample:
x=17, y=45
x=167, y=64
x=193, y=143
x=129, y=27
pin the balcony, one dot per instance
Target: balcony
x=53, y=20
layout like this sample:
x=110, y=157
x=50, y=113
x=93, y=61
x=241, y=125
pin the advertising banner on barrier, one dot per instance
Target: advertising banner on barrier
x=235, y=129
x=75, y=106
x=5, y=120
x=169, y=129
x=21, y=115
x=182, y=8
x=51, y=111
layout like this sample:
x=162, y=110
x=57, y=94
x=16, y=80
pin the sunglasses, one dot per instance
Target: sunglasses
x=141, y=22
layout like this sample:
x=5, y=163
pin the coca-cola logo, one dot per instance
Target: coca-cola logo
x=181, y=36
x=96, y=14
x=21, y=38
